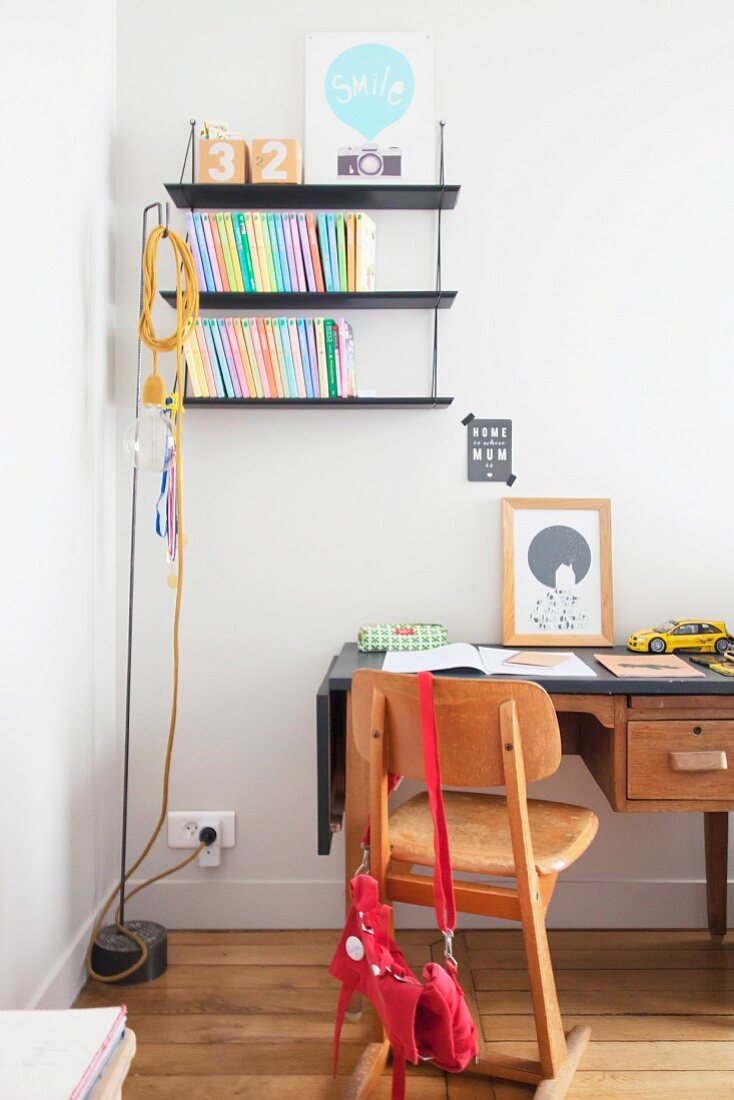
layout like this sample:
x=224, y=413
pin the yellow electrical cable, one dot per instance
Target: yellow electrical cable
x=187, y=308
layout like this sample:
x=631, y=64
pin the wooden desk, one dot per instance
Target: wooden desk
x=653, y=746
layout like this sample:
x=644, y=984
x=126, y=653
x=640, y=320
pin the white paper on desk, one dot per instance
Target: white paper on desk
x=495, y=663
x=486, y=659
x=456, y=655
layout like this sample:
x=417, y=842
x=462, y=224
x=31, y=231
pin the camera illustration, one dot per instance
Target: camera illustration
x=369, y=161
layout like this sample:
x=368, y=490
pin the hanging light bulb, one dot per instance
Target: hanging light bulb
x=148, y=441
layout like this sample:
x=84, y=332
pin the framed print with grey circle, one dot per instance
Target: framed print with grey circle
x=557, y=572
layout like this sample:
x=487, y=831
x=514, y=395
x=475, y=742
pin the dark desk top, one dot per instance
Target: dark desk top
x=604, y=683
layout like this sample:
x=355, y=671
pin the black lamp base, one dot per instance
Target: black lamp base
x=112, y=952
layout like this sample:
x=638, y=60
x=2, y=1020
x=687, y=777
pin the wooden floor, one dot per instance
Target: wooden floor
x=250, y=1014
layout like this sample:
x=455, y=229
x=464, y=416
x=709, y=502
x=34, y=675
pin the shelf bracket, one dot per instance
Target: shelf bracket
x=191, y=144
x=442, y=185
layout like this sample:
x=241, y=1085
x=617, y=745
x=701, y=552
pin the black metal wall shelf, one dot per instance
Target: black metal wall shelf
x=310, y=196
x=318, y=402
x=328, y=300
x=357, y=196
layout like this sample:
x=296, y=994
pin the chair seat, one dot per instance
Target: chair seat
x=479, y=833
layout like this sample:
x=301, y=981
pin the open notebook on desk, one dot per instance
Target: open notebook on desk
x=460, y=656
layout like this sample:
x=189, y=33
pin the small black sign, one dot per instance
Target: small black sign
x=489, y=450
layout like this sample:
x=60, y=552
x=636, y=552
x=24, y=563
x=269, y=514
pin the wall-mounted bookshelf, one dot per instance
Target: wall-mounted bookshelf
x=310, y=196
x=359, y=196
x=374, y=299
x=320, y=402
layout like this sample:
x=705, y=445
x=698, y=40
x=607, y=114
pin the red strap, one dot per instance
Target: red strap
x=443, y=885
x=398, y=1074
x=344, y=997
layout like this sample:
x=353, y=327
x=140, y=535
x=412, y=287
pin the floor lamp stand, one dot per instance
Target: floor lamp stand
x=113, y=952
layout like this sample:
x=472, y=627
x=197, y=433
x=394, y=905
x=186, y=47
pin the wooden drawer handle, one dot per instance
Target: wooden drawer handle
x=698, y=761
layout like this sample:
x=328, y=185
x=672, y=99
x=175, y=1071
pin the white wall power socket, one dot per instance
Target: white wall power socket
x=184, y=827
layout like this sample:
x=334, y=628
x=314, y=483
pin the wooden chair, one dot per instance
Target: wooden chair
x=491, y=733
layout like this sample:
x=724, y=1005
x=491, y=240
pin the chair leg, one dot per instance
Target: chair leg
x=489, y=1063
x=369, y=1069
x=461, y=1086
x=551, y=1039
x=559, y=1054
x=367, y=1073
x=365, y=1076
x=556, y=1088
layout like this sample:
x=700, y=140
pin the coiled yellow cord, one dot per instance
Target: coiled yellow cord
x=187, y=309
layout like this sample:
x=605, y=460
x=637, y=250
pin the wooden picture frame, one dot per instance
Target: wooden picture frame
x=557, y=572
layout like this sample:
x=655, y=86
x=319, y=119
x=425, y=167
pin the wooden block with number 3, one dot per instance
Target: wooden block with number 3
x=276, y=160
x=223, y=161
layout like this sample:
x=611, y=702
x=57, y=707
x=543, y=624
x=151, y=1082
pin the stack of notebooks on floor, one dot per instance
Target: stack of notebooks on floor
x=283, y=252
x=49, y=1055
x=273, y=357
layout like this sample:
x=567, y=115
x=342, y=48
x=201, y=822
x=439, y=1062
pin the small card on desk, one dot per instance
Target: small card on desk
x=538, y=660
x=663, y=667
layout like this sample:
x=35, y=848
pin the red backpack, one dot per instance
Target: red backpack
x=429, y=1020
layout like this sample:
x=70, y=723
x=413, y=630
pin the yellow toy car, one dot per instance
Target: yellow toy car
x=707, y=637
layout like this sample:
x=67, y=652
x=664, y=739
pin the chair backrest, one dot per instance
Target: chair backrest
x=468, y=723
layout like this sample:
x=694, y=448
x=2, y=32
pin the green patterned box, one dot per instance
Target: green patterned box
x=383, y=637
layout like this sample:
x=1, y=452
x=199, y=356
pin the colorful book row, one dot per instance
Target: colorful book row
x=250, y=251
x=271, y=357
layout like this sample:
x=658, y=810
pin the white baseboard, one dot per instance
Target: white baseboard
x=309, y=904
x=319, y=904
x=67, y=976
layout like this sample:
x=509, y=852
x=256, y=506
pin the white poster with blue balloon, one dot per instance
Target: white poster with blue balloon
x=369, y=108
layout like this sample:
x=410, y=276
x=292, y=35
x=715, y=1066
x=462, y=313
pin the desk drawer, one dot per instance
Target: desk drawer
x=680, y=760
x=681, y=706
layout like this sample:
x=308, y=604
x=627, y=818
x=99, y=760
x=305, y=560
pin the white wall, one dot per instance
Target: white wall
x=592, y=249
x=59, y=770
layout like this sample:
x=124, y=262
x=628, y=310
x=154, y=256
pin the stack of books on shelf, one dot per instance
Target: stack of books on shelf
x=271, y=357
x=253, y=251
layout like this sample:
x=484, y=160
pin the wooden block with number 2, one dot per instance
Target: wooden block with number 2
x=276, y=160
x=222, y=161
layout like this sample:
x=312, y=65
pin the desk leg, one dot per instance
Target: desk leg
x=356, y=808
x=716, y=836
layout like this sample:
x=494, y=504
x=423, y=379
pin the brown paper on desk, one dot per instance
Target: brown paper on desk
x=648, y=667
x=538, y=660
